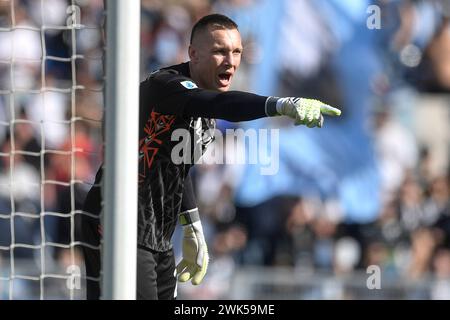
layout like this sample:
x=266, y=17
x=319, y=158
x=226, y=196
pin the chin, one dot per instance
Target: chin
x=223, y=89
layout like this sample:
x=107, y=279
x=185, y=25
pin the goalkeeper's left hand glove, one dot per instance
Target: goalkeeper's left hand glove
x=304, y=111
x=195, y=252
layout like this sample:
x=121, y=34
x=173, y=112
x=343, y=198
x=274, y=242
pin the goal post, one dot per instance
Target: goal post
x=121, y=145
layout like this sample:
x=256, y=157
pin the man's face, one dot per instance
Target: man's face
x=215, y=56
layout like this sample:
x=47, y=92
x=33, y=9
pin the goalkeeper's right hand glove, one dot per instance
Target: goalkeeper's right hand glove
x=304, y=111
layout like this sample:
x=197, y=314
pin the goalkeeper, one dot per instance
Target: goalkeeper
x=187, y=96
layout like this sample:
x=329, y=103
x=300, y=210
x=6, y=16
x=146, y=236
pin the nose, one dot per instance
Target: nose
x=229, y=60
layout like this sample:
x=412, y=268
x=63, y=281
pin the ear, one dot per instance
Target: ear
x=193, y=55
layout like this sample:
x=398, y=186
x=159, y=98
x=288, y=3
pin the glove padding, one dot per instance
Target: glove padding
x=305, y=111
x=195, y=254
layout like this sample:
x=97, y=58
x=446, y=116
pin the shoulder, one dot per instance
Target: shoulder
x=165, y=72
x=169, y=79
x=172, y=73
x=161, y=76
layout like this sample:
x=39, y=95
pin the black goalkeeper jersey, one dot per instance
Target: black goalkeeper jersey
x=162, y=196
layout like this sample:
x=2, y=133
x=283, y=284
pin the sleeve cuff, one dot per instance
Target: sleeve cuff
x=189, y=216
x=271, y=106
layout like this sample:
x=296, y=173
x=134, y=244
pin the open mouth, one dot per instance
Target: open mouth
x=224, y=78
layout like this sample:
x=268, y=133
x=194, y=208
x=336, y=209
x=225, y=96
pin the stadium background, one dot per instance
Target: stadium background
x=370, y=188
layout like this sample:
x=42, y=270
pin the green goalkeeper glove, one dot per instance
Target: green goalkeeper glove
x=195, y=252
x=304, y=111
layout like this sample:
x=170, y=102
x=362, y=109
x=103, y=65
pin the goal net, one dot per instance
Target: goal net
x=51, y=111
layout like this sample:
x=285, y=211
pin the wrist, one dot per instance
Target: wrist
x=276, y=106
x=189, y=217
x=271, y=107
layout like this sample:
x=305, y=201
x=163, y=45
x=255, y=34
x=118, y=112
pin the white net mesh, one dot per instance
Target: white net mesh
x=51, y=105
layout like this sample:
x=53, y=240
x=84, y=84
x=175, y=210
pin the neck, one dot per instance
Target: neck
x=193, y=75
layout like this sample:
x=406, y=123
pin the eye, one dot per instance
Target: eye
x=220, y=51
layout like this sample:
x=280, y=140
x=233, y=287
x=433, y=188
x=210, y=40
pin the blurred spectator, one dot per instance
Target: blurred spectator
x=423, y=244
x=441, y=265
x=396, y=152
x=436, y=77
x=23, y=45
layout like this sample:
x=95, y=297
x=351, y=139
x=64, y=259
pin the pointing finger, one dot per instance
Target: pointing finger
x=329, y=110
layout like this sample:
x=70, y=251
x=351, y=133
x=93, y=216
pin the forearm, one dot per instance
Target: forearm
x=232, y=106
x=189, y=210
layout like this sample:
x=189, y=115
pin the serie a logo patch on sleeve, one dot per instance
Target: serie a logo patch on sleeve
x=188, y=84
